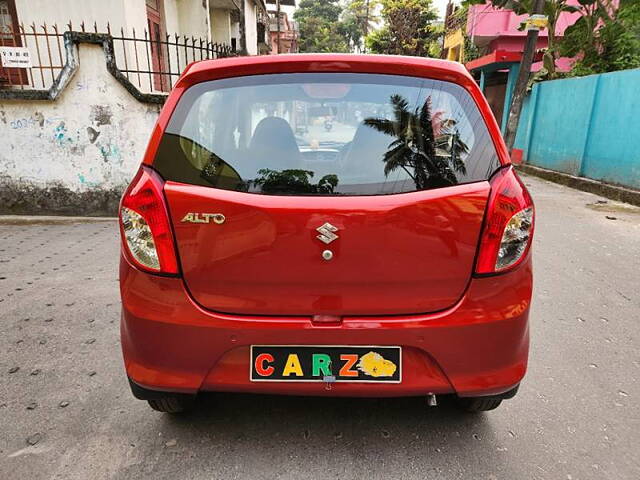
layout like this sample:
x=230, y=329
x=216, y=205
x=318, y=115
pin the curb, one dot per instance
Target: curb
x=607, y=190
x=50, y=220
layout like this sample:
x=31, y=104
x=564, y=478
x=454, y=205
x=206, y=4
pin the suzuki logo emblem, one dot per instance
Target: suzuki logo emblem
x=326, y=233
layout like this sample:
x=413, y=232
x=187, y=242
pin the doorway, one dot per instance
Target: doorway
x=158, y=49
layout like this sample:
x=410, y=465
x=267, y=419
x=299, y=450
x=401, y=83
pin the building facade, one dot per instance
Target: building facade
x=498, y=43
x=283, y=35
x=241, y=24
x=454, y=36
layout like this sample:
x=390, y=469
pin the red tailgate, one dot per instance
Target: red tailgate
x=395, y=254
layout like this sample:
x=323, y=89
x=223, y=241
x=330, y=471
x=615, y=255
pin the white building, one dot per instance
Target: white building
x=241, y=24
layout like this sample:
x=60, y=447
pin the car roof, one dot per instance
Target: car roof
x=322, y=62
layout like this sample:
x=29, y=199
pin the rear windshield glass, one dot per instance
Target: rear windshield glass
x=326, y=134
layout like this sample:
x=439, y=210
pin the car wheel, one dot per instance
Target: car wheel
x=172, y=404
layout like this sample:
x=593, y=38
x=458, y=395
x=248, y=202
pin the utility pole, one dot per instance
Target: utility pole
x=278, y=23
x=366, y=19
x=242, y=27
x=523, y=78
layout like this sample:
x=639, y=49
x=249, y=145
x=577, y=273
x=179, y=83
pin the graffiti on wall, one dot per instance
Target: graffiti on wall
x=92, y=137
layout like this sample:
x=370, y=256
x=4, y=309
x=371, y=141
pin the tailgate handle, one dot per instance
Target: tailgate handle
x=326, y=319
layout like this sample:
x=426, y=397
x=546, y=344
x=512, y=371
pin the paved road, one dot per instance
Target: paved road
x=577, y=416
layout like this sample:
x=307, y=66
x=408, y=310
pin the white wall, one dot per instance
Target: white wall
x=251, y=27
x=221, y=26
x=235, y=33
x=92, y=137
x=184, y=17
x=193, y=19
x=119, y=13
x=122, y=16
x=171, y=20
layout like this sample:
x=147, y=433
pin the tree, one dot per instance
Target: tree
x=293, y=181
x=320, y=28
x=553, y=9
x=358, y=19
x=427, y=147
x=604, y=38
x=409, y=29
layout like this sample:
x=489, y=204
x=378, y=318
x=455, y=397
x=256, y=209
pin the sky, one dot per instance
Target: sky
x=441, y=5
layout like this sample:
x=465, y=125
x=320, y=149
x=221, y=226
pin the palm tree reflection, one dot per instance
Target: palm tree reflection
x=429, y=149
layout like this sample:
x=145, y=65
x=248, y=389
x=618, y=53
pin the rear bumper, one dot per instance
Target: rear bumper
x=478, y=347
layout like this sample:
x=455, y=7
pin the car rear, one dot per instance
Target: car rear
x=387, y=255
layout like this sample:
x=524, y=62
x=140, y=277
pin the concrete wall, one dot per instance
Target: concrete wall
x=251, y=27
x=235, y=33
x=193, y=19
x=221, y=26
x=184, y=17
x=74, y=154
x=586, y=126
x=119, y=13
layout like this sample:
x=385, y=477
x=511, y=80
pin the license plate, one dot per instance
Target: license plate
x=317, y=363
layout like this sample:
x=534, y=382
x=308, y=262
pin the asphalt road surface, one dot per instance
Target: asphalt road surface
x=66, y=411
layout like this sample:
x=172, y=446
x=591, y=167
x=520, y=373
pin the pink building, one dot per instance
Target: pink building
x=497, y=29
x=283, y=32
x=495, y=32
x=288, y=36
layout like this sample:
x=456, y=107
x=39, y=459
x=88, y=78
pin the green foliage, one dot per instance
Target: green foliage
x=320, y=27
x=358, y=19
x=471, y=50
x=294, y=181
x=434, y=46
x=379, y=41
x=604, y=39
x=553, y=9
x=626, y=44
x=409, y=29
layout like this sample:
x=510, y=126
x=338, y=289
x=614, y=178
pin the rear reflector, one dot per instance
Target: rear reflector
x=508, y=227
x=144, y=222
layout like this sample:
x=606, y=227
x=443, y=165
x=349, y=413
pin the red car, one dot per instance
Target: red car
x=386, y=256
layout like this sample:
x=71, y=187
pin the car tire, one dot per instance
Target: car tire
x=172, y=404
x=478, y=404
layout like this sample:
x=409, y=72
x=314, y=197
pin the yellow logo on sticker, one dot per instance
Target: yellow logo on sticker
x=376, y=365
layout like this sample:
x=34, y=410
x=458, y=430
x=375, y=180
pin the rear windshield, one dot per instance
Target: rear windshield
x=326, y=134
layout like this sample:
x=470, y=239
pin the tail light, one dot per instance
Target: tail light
x=508, y=227
x=144, y=223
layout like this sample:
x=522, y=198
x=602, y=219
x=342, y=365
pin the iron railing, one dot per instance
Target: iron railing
x=151, y=63
x=45, y=46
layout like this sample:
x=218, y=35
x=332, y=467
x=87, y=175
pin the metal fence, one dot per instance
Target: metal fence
x=151, y=62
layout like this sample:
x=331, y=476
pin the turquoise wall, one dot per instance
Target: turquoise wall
x=586, y=126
